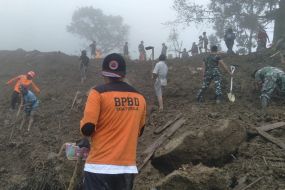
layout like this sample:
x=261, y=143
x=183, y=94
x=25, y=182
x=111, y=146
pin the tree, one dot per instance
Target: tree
x=108, y=31
x=244, y=16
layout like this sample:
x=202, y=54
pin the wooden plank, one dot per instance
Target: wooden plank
x=271, y=138
x=253, y=183
x=241, y=183
x=160, y=129
x=272, y=126
x=151, y=149
x=166, y=135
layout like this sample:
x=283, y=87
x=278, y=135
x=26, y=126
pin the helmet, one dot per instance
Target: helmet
x=31, y=74
x=83, y=52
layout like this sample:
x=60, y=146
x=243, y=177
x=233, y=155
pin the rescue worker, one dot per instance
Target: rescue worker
x=230, y=39
x=194, y=49
x=160, y=75
x=211, y=72
x=262, y=38
x=30, y=105
x=205, y=41
x=164, y=49
x=84, y=62
x=267, y=80
x=93, y=49
x=114, y=118
x=142, y=52
x=126, y=50
x=25, y=80
x=184, y=54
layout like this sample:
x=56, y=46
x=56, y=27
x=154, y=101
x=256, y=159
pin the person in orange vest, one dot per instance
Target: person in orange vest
x=25, y=80
x=114, y=118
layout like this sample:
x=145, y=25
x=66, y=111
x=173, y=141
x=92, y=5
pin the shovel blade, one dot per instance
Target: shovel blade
x=231, y=97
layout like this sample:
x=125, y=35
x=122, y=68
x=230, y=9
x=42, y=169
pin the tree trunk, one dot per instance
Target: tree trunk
x=279, y=27
x=250, y=42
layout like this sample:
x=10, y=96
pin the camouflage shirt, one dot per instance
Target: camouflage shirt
x=211, y=63
x=271, y=73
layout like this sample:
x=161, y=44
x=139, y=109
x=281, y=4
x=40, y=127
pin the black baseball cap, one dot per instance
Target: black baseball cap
x=114, y=65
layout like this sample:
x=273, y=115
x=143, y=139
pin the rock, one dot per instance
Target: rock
x=52, y=156
x=196, y=178
x=212, y=146
x=3, y=170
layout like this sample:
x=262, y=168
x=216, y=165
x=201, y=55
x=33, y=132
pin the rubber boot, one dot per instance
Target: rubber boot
x=218, y=99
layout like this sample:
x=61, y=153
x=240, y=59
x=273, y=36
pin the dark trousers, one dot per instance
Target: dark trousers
x=15, y=99
x=229, y=44
x=94, y=181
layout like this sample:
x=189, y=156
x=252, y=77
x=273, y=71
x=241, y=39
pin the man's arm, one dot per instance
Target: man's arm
x=35, y=87
x=91, y=114
x=226, y=68
x=13, y=79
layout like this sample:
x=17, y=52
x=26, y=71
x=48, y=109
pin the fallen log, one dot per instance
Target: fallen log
x=160, y=129
x=271, y=138
x=271, y=126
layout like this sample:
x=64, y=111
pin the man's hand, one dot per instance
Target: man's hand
x=84, y=142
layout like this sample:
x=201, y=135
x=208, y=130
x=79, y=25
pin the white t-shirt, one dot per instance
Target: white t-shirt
x=161, y=70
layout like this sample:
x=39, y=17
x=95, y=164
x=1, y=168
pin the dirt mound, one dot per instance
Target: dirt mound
x=195, y=178
x=24, y=158
x=212, y=145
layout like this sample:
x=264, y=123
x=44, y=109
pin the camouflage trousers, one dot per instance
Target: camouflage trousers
x=268, y=87
x=208, y=78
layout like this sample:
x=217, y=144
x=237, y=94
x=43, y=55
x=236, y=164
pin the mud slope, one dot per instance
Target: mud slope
x=24, y=162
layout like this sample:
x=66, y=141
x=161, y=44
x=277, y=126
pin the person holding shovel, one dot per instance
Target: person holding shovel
x=267, y=80
x=211, y=72
x=84, y=62
x=25, y=80
x=114, y=118
x=30, y=105
x=160, y=75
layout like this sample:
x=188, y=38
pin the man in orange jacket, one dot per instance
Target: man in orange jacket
x=114, y=118
x=26, y=81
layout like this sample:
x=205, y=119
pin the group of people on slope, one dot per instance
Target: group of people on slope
x=115, y=113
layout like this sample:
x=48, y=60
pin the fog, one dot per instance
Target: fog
x=41, y=24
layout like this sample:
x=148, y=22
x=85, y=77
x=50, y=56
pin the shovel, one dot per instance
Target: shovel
x=231, y=96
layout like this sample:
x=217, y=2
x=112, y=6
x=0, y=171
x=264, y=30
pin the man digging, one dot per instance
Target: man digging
x=211, y=72
x=267, y=80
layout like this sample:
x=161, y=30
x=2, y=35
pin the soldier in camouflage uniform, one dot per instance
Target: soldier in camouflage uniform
x=269, y=79
x=211, y=72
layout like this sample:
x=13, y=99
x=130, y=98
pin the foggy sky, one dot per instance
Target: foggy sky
x=41, y=24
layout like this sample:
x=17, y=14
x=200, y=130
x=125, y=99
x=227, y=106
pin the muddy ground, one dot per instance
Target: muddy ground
x=24, y=162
